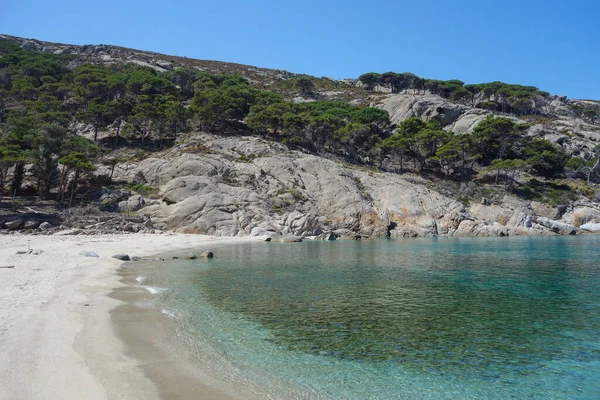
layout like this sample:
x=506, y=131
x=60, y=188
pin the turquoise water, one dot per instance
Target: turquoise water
x=428, y=318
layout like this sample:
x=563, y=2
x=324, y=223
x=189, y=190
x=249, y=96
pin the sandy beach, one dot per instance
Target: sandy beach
x=65, y=321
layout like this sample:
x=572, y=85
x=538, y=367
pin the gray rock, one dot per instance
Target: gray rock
x=89, y=254
x=326, y=236
x=207, y=254
x=425, y=107
x=258, y=231
x=285, y=238
x=45, y=225
x=136, y=258
x=134, y=203
x=31, y=224
x=557, y=226
x=14, y=225
x=122, y=257
x=591, y=226
x=37, y=252
x=191, y=256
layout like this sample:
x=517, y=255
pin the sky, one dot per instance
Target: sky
x=551, y=44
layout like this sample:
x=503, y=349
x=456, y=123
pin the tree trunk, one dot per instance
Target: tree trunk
x=2, y=175
x=73, y=186
x=96, y=133
x=593, y=169
x=15, y=186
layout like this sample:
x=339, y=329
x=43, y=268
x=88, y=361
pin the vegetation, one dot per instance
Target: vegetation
x=496, y=96
x=45, y=99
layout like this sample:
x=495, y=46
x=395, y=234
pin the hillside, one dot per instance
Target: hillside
x=228, y=149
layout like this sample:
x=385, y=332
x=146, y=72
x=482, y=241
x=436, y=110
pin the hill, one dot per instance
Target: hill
x=229, y=149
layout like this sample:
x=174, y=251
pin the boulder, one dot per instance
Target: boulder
x=14, y=225
x=134, y=203
x=191, y=256
x=207, y=254
x=557, y=226
x=591, y=226
x=326, y=236
x=258, y=231
x=31, y=224
x=136, y=258
x=45, y=225
x=122, y=257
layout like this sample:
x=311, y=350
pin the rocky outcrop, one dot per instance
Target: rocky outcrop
x=426, y=107
x=133, y=203
x=248, y=186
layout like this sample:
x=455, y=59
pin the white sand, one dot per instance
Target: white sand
x=56, y=337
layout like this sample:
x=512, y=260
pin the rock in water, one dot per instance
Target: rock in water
x=122, y=257
x=207, y=254
x=191, y=256
x=136, y=258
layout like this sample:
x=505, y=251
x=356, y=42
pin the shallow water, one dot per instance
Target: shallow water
x=394, y=319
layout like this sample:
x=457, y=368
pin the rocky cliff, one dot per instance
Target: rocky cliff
x=237, y=186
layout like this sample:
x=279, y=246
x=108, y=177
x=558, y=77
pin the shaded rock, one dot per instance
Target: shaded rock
x=207, y=254
x=31, y=224
x=89, y=254
x=134, y=203
x=191, y=256
x=326, y=236
x=14, y=225
x=122, y=257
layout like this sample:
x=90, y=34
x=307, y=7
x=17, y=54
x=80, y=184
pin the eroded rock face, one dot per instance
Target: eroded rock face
x=426, y=107
x=247, y=186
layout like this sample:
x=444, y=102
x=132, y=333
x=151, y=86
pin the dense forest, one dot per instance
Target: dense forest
x=46, y=101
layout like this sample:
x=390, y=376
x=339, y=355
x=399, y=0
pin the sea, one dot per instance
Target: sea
x=423, y=318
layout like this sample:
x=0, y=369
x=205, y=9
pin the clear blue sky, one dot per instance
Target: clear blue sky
x=552, y=44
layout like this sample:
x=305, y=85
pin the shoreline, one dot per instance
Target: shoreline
x=57, y=337
x=148, y=336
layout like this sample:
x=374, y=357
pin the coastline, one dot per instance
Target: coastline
x=64, y=328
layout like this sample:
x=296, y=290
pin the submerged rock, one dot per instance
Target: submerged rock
x=191, y=256
x=122, y=257
x=207, y=254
